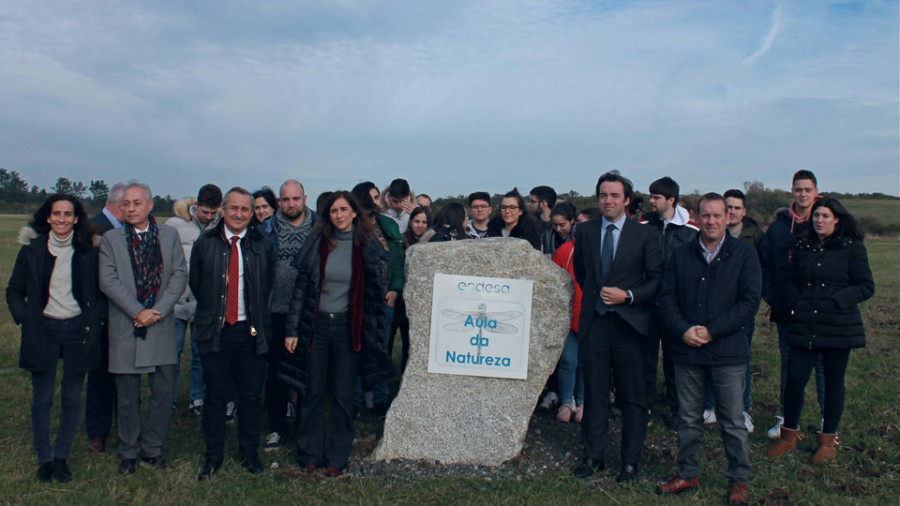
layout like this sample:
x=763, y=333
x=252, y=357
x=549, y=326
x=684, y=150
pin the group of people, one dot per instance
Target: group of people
x=300, y=308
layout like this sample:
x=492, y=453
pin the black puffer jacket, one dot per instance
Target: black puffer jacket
x=825, y=285
x=29, y=290
x=375, y=363
x=528, y=228
x=210, y=257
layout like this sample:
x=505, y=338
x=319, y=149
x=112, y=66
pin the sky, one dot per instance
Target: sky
x=454, y=96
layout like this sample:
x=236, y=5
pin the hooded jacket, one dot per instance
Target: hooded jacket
x=29, y=290
x=775, y=256
x=679, y=230
x=189, y=230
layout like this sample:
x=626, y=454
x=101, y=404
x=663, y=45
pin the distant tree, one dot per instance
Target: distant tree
x=12, y=187
x=99, y=191
x=63, y=185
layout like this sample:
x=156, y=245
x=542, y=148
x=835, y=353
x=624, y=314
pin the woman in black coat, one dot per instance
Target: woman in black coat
x=829, y=276
x=514, y=221
x=449, y=224
x=335, y=330
x=53, y=294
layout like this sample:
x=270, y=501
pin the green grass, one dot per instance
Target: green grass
x=866, y=471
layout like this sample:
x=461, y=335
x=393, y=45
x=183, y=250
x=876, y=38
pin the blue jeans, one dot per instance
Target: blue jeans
x=785, y=349
x=710, y=398
x=728, y=385
x=198, y=387
x=571, y=381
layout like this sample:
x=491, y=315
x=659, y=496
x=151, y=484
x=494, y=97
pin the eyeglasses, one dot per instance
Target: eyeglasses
x=479, y=207
x=508, y=208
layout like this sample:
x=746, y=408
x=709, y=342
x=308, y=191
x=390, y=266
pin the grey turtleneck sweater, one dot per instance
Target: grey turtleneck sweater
x=62, y=304
x=338, y=272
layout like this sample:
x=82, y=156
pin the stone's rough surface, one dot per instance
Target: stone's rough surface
x=468, y=419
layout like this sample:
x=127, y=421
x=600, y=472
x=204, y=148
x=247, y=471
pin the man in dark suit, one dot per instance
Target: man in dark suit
x=101, y=386
x=618, y=264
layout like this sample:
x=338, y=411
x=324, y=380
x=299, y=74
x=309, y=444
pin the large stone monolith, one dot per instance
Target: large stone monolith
x=473, y=419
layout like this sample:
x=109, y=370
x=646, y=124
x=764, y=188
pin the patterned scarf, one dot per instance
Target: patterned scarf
x=290, y=241
x=146, y=266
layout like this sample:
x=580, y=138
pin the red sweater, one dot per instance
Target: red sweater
x=563, y=258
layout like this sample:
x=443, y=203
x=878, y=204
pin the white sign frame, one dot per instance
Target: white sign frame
x=480, y=326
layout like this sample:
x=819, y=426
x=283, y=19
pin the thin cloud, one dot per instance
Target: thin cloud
x=768, y=40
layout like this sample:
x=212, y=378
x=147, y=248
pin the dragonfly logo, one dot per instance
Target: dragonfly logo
x=482, y=287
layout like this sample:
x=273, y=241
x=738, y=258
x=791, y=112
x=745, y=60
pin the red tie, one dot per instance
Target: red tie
x=234, y=274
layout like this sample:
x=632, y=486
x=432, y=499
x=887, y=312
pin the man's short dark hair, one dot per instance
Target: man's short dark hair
x=735, y=194
x=545, y=194
x=804, y=174
x=614, y=177
x=399, y=188
x=210, y=196
x=709, y=197
x=485, y=196
x=665, y=186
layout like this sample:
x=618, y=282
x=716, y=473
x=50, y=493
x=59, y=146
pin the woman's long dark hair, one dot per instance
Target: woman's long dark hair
x=363, y=198
x=408, y=237
x=847, y=225
x=362, y=226
x=84, y=230
x=451, y=218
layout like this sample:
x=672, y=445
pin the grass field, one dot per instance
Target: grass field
x=867, y=470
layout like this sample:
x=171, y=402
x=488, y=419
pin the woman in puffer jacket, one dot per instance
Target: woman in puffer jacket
x=829, y=276
x=53, y=294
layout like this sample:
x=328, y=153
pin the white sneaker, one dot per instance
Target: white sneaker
x=369, y=400
x=748, y=422
x=273, y=442
x=709, y=417
x=230, y=412
x=196, y=407
x=550, y=400
x=290, y=410
x=775, y=431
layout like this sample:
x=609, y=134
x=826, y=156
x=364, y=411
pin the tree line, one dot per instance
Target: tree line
x=17, y=196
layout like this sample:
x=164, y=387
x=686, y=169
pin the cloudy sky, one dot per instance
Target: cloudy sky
x=455, y=96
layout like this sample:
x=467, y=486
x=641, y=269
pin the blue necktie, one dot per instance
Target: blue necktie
x=606, y=260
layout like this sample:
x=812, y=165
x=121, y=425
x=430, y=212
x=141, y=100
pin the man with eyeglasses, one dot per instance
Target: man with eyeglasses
x=480, y=214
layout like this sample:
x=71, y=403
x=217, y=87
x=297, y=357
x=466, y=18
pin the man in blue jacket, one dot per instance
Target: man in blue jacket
x=710, y=290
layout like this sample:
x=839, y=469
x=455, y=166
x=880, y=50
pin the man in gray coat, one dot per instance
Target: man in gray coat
x=143, y=273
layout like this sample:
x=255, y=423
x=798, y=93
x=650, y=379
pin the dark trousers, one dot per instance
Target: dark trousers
x=234, y=368
x=401, y=323
x=333, y=366
x=63, y=339
x=651, y=358
x=147, y=441
x=613, y=345
x=276, y=390
x=800, y=364
x=100, y=398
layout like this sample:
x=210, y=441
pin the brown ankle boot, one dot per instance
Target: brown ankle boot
x=787, y=443
x=826, y=449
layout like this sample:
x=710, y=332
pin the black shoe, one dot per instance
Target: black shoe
x=45, y=471
x=209, y=468
x=61, y=471
x=629, y=473
x=158, y=462
x=252, y=465
x=588, y=467
x=127, y=466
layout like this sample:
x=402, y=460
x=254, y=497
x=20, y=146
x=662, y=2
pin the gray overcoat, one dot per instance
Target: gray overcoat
x=128, y=354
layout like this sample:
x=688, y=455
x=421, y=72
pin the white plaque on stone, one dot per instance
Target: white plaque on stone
x=480, y=326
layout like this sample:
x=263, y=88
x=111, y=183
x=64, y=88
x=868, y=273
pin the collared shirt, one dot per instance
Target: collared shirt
x=615, y=233
x=401, y=218
x=112, y=219
x=710, y=254
x=242, y=313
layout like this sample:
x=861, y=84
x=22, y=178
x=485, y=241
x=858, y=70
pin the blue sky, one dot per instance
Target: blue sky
x=455, y=96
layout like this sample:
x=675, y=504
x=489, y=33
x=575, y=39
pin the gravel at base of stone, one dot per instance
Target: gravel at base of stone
x=551, y=447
